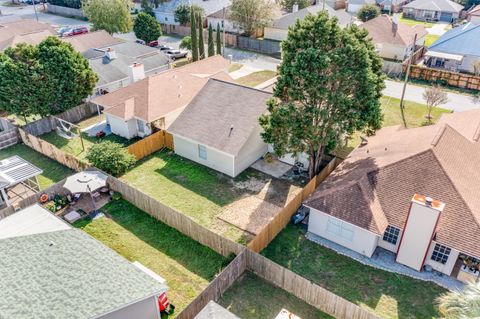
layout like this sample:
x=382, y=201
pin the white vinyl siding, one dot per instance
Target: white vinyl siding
x=340, y=229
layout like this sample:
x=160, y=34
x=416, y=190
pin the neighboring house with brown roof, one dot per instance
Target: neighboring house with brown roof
x=28, y=31
x=394, y=40
x=216, y=18
x=366, y=203
x=219, y=128
x=154, y=102
x=473, y=15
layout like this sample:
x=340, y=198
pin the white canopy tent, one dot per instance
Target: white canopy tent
x=85, y=182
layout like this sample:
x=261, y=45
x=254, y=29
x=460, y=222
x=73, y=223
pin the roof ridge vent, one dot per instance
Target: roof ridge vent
x=437, y=137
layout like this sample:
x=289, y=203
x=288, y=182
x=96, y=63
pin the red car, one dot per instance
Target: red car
x=75, y=31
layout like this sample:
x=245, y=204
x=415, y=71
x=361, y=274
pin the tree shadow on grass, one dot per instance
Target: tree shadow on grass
x=195, y=257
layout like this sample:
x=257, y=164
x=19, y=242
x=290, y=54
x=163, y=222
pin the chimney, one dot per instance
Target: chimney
x=136, y=72
x=111, y=54
x=295, y=7
x=419, y=230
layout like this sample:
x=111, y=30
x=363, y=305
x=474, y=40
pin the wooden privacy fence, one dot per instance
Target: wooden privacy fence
x=47, y=124
x=465, y=81
x=275, y=226
x=304, y=289
x=52, y=151
x=217, y=287
x=151, y=144
x=175, y=219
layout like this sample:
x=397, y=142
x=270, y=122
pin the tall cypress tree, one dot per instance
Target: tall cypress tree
x=219, y=41
x=211, y=46
x=193, y=35
x=201, y=44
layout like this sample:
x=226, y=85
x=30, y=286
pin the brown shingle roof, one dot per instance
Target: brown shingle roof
x=437, y=161
x=28, y=31
x=222, y=116
x=97, y=39
x=380, y=30
x=158, y=95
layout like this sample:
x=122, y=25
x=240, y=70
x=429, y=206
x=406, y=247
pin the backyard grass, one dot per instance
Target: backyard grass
x=186, y=265
x=254, y=298
x=430, y=39
x=389, y=295
x=256, y=78
x=412, y=22
x=414, y=116
x=234, y=67
x=74, y=146
x=52, y=171
x=198, y=191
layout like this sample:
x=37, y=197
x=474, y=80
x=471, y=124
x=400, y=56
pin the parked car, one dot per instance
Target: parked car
x=164, y=47
x=176, y=54
x=153, y=44
x=62, y=30
x=140, y=42
x=75, y=31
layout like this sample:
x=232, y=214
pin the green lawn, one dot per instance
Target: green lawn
x=389, y=295
x=74, y=146
x=256, y=78
x=52, y=171
x=412, y=22
x=186, y=265
x=430, y=39
x=414, y=116
x=198, y=191
x=234, y=67
x=254, y=298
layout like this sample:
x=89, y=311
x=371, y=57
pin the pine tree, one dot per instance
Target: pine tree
x=201, y=44
x=219, y=41
x=193, y=35
x=211, y=46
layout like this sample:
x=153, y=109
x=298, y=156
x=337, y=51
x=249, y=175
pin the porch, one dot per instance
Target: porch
x=441, y=60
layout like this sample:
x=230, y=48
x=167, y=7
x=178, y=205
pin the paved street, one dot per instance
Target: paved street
x=27, y=12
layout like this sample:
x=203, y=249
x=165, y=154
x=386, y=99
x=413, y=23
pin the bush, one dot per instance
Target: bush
x=117, y=196
x=368, y=12
x=76, y=4
x=110, y=157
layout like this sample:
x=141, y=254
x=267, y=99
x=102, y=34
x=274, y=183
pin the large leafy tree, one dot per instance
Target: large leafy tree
x=368, y=12
x=461, y=304
x=329, y=85
x=251, y=15
x=182, y=13
x=110, y=15
x=146, y=27
x=45, y=79
x=147, y=7
x=288, y=4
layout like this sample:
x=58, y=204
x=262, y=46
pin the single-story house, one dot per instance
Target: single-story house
x=353, y=6
x=28, y=31
x=392, y=5
x=153, y=103
x=50, y=270
x=216, y=18
x=279, y=29
x=394, y=40
x=219, y=128
x=456, y=50
x=473, y=15
x=165, y=12
x=110, y=58
x=433, y=10
x=412, y=192
x=18, y=179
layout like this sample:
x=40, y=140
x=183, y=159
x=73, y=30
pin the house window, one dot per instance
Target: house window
x=202, y=151
x=440, y=253
x=391, y=235
x=340, y=228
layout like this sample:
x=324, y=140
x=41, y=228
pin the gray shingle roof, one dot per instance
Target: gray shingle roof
x=435, y=5
x=214, y=311
x=66, y=274
x=217, y=108
x=290, y=19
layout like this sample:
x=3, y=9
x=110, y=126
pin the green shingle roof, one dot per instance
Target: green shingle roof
x=66, y=274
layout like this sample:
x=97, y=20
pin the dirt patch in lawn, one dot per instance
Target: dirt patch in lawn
x=252, y=213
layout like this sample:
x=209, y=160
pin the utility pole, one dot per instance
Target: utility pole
x=407, y=73
x=35, y=9
x=223, y=32
x=323, y=5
